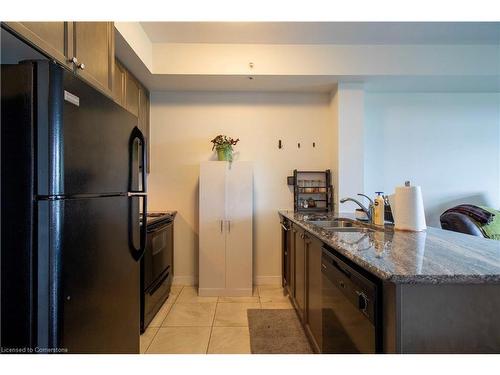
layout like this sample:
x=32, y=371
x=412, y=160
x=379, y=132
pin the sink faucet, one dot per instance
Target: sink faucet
x=367, y=211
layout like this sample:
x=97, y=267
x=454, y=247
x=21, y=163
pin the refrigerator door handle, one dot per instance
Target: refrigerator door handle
x=137, y=253
x=138, y=193
x=137, y=134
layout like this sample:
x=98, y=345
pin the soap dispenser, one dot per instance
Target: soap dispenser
x=379, y=209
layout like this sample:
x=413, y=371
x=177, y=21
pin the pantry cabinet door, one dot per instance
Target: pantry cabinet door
x=212, y=234
x=239, y=208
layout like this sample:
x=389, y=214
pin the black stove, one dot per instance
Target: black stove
x=157, y=264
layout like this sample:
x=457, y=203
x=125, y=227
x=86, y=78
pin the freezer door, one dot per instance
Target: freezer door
x=83, y=138
x=94, y=299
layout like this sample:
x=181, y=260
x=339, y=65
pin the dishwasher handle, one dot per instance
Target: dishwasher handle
x=360, y=291
x=335, y=263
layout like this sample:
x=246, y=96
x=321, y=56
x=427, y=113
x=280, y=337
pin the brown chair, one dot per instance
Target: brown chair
x=458, y=222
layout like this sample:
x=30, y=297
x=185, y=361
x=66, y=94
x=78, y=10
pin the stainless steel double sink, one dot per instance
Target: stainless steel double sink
x=343, y=225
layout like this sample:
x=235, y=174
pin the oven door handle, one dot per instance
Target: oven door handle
x=159, y=282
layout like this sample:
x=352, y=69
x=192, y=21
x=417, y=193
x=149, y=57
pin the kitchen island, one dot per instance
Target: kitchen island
x=437, y=291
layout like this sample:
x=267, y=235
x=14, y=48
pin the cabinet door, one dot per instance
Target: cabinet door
x=132, y=96
x=313, y=300
x=119, y=83
x=144, y=108
x=212, y=236
x=93, y=46
x=293, y=240
x=50, y=37
x=285, y=259
x=300, y=273
x=239, y=208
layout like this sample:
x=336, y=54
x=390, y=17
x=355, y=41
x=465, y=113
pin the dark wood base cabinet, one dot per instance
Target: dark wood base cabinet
x=301, y=260
x=336, y=301
x=345, y=309
x=314, y=309
x=338, y=295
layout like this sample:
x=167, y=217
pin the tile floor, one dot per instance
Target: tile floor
x=189, y=324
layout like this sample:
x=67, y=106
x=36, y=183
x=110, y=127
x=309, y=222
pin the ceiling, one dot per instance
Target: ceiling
x=324, y=32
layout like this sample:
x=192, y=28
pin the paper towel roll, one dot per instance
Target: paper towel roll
x=409, y=208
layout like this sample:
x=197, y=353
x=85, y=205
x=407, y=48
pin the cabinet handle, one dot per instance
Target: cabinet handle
x=362, y=302
x=229, y=226
x=221, y=225
x=74, y=60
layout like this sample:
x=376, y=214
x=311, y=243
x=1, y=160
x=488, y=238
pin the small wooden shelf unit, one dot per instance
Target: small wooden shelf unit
x=315, y=186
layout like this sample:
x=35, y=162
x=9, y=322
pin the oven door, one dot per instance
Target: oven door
x=158, y=256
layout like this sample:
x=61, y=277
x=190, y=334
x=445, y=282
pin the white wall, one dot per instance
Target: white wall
x=325, y=59
x=448, y=143
x=138, y=40
x=182, y=125
x=350, y=136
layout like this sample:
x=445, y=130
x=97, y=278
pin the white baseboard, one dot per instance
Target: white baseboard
x=267, y=280
x=259, y=280
x=185, y=280
x=223, y=292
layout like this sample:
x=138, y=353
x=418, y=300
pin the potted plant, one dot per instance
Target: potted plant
x=224, y=147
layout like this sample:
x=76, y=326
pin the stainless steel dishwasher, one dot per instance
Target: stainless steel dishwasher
x=349, y=307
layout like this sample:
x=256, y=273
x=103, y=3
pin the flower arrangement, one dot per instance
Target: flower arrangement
x=224, y=147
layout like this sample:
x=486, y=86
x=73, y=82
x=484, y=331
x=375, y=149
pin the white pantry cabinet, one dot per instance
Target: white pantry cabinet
x=225, y=230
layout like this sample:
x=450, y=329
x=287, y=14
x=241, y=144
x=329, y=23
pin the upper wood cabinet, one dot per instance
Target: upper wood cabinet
x=119, y=77
x=132, y=97
x=86, y=47
x=49, y=37
x=94, y=50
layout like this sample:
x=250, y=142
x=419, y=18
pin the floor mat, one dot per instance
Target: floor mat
x=276, y=332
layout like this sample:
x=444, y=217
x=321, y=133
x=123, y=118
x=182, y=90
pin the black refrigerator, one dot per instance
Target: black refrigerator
x=73, y=188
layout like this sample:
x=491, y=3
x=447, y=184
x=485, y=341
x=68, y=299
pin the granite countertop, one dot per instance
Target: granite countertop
x=432, y=256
